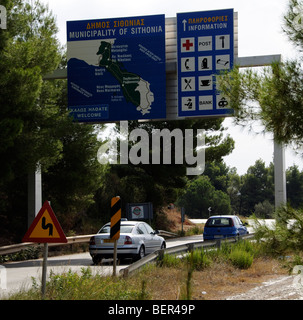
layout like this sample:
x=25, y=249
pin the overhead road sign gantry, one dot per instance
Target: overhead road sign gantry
x=171, y=66
x=116, y=69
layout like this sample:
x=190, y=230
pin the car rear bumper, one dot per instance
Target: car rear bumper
x=218, y=237
x=122, y=251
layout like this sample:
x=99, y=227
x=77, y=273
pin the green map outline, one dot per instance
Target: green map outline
x=128, y=81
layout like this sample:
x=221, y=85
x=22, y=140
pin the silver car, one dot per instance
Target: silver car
x=137, y=239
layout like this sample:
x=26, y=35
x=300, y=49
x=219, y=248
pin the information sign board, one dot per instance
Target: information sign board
x=116, y=69
x=205, y=47
x=139, y=211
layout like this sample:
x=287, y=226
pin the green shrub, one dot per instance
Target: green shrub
x=24, y=254
x=285, y=236
x=197, y=259
x=72, y=286
x=169, y=260
x=241, y=258
x=196, y=230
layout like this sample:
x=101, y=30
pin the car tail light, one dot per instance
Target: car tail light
x=232, y=223
x=128, y=240
x=92, y=241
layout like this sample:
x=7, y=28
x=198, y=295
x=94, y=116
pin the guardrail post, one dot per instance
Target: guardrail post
x=125, y=273
x=161, y=254
x=190, y=247
x=218, y=243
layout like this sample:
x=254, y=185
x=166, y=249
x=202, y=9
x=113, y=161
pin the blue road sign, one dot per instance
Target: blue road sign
x=116, y=69
x=205, y=46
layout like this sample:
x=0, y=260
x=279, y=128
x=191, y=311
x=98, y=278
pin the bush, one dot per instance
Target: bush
x=25, y=254
x=240, y=254
x=241, y=258
x=198, y=260
x=169, y=260
x=72, y=286
x=287, y=234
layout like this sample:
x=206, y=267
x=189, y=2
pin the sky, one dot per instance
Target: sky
x=260, y=33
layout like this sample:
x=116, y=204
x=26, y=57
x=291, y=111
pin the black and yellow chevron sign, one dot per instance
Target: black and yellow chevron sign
x=115, y=210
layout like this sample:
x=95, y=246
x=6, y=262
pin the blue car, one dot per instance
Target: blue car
x=218, y=227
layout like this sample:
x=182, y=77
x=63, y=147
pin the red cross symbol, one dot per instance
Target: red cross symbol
x=187, y=45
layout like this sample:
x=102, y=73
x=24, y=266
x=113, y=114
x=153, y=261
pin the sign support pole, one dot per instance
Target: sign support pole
x=44, y=270
x=115, y=259
x=45, y=229
x=182, y=217
x=34, y=193
x=115, y=208
x=280, y=176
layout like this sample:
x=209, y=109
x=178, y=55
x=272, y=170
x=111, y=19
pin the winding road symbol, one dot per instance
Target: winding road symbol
x=47, y=226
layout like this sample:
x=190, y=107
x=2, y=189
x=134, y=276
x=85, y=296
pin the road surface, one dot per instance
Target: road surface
x=18, y=275
x=280, y=288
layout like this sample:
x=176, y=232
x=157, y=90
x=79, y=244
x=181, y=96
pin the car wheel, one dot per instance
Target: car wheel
x=163, y=245
x=141, y=253
x=97, y=259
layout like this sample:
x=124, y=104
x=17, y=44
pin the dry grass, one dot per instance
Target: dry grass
x=174, y=217
x=217, y=282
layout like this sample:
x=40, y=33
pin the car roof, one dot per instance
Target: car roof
x=128, y=222
x=222, y=216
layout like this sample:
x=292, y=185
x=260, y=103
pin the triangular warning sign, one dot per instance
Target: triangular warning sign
x=45, y=227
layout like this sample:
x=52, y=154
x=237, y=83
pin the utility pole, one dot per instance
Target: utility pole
x=34, y=194
x=280, y=175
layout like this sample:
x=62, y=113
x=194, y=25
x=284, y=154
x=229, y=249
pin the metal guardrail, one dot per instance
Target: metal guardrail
x=140, y=263
x=178, y=249
x=70, y=240
x=21, y=246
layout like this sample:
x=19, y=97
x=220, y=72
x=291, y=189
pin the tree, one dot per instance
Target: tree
x=234, y=190
x=273, y=95
x=257, y=187
x=294, y=187
x=29, y=50
x=218, y=173
x=200, y=195
x=35, y=126
x=161, y=183
x=264, y=210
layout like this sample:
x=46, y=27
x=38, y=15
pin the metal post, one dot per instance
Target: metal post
x=44, y=269
x=218, y=243
x=280, y=175
x=115, y=259
x=182, y=217
x=34, y=194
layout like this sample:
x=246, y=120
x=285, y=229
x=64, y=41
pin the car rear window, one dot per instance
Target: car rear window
x=219, y=222
x=123, y=229
x=126, y=229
